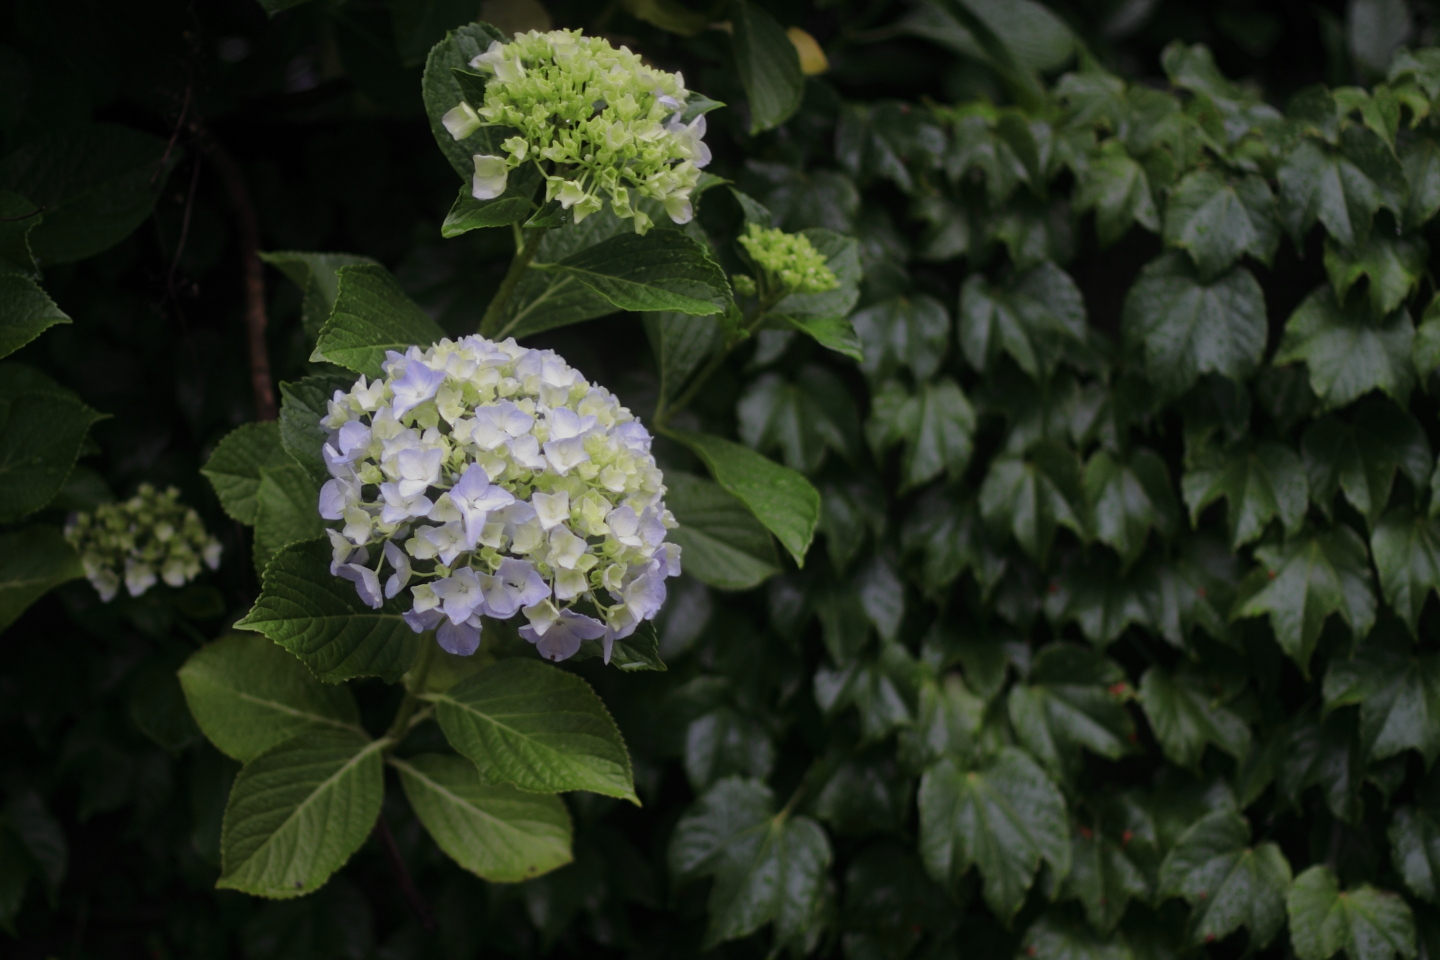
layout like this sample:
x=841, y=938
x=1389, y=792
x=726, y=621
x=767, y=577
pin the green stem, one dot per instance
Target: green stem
x=518, y=266
x=666, y=411
x=402, y=723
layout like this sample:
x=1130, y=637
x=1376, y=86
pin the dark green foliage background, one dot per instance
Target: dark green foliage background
x=1154, y=600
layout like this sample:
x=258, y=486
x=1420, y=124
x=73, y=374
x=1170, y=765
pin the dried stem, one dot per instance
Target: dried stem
x=423, y=913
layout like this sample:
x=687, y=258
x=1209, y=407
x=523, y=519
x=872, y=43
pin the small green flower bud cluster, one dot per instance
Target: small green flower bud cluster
x=789, y=260
x=148, y=537
x=606, y=125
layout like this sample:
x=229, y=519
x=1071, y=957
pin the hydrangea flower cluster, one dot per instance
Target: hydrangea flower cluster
x=491, y=480
x=606, y=123
x=152, y=535
x=789, y=260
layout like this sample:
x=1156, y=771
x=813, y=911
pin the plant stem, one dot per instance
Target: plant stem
x=417, y=902
x=518, y=266
x=401, y=724
x=665, y=411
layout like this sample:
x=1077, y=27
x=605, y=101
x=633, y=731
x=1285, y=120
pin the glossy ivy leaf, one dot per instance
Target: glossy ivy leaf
x=371, y=316
x=874, y=687
x=26, y=311
x=285, y=511
x=1029, y=497
x=1421, y=160
x=1117, y=189
x=1391, y=267
x=1185, y=326
x=298, y=811
x=936, y=426
x=1414, y=834
x=1005, y=818
x=1349, y=354
x=303, y=405
x=1217, y=221
x=1362, y=456
x=948, y=723
x=1091, y=591
x=318, y=277
x=662, y=270
x=1368, y=924
x=889, y=903
x=1073, y=698
x=780, y=498
x=1397, y=691
x=497, y=832
x=318, y=617
x=1321, y=752
x=767, y=868
x=33, y=561
x=1058, y=937
x=768, y=66
x=903, y=332
x=1030, y=318
x=248, y=694
x=1104, y=878
x=723, y=743
x=1341, y=188
x=805, y=417
x=1228, y=882
x=1259, y=484
x=1126, y=499
x=538, y=727
x=1406, y=548
x=42, y=428
x=868, y=795
x=722, y=542
x=41, y=838
x=234, y=467
x=1193, y=590
x=1186, y=715
x=1303, y=582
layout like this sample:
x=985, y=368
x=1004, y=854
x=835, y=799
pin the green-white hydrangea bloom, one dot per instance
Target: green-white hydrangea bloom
x=597, y=121
x=491, y=480
x=789, y=261
x=148, y=537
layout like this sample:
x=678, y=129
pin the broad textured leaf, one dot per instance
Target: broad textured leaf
x=319, y=618
x=371, y=315
x=234, y=468
x=1398, y=692
x=1348, y=354
x=1072, y=699
x=780, y=498
x=1186, y=326
x=1127, y=499
x=722, y=544
x=33, y=561
x=538, y=727
x=663, y=270
x=936, y=425
x=1117, y=189
x=1368, y=924
x=512, y=206
x=1259, y=484
x=903, y=332
x=1318, y=182
x=1362, y=456
x=497, y=832
x=1228, y=882
x=26, y=311
x=767, y=64
x=18, y=217
x=298, y=811
x=1005, y=818
x=767, y=868
x=1217, y=221
x=1391, y=267
x=247, y=695
x=318, y=277
x=682, y=343
x=286, y=511
x=302, y=406
x=1029, y=318
x=442, y=92
x=1304, y=582
x=1028, y=497
x=41, y=432
x=1186, y=715
x=1406, y=548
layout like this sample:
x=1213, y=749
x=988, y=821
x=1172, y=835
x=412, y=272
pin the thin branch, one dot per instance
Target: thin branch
x=423, y=913
x=24, y=216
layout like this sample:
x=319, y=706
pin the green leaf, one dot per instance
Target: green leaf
x=1104, y=877
x=298, y=811
x=41, y=837
x=371, y=315
x=234, y=468
x=495, y=831
x=1116, y=188
x=822, y=316
x=1421, y=160
x=41, y=432
x=1259, y=484
x=1306, y=580
x=97, y=182
x=1217, y=221
x=319, y=618
x=725, y=742
x=1029, y=318
x=682, y=343
x=1406, y=548
x=1368, y=924
x=538, y=727
x=26, y=311
x=779, y=497
x=303, y=405
x=721, y=543
x=1055, y=937
x=1339, y=187
x=937, y=427
x=512, y=206
x=441, y=90
x=1414, y=834
x=1392, y=267
x=1028, y=497
x=1349, y=355
x=663, y=270
x=318, y=277
x=805, y=417
x=286, y=510
x=1228, y=882
x=33, y=561
x=18, y=218
x=768, y=66
x=1324, y=753
x=768, y=868
x=1186, y=326
x=1127, y=499
x=1361, y=457
x=1072, y=699
x=1004, y=817
x=1185, y=716
x=14, y=879
x=248, y=695
x=1398, y=692
x=906, y=331
x=832, y=333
